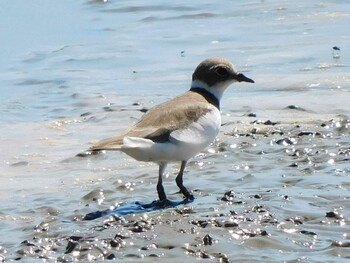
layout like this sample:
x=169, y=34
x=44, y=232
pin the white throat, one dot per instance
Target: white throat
x=217, y=90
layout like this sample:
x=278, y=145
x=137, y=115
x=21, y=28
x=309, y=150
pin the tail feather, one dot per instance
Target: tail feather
x=109, y=144
x=113, y=143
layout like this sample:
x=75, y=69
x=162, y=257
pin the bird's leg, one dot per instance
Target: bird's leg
x=160, y=188
x=179, y=181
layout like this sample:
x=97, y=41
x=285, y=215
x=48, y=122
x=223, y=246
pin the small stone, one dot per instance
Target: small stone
x=333, y=215
x=305, y=133
x=228, y=196
x=70, y=247
x=257, y=196
x=264, y=233
x=309, y=233
x=268, y=122
x=114, y=243
x=207, y=240
x=110, y=256
x=230, y=224
x=286, y=141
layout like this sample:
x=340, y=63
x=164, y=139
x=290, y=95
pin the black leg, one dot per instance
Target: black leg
x=160, y=188
x=179, y=181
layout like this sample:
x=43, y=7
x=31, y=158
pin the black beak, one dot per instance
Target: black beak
x=241, y=78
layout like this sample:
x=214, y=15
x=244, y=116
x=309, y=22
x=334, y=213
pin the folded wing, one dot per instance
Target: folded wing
x=159, y=122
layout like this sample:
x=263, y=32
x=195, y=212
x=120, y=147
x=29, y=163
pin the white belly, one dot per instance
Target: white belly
x=183, y=144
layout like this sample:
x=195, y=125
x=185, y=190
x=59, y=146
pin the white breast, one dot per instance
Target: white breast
x=183, y=145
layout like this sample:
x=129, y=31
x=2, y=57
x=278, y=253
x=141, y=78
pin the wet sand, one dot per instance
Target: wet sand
x=267, y=188
x=273, y=187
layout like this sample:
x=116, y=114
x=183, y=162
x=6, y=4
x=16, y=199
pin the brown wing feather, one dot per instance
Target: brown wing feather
x=157, y=123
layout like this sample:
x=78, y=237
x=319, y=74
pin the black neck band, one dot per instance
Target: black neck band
x=208, y=96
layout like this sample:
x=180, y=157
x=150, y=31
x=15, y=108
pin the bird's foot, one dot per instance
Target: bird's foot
x=166, y=203
x=188, y=199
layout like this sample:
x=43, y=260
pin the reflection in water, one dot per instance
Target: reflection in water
x=136, y=208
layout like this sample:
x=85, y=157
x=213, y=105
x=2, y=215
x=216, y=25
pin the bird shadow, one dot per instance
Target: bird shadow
x=136, y=208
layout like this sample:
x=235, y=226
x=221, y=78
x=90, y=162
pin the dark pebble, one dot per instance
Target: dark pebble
x=144, y=110
x=257, y=196
x=295, y=221
x=224, y=259
x=137, y=229
x=230, y=224
x=254, y=131
x=340, y=244
x=207, y=240
x=309, y=233
x=114, y=243
x=110, y=256
x=268, y=122
x=27, y=243
x=201, y=223
x=216, y=223
x=204, y=254
x=75, y=238
x=251, y=115
x=228, y=196
x=277, y=132
x=259, y=209
x=285, y=141
x=305, y=133
x=264, y=233
x=293, y=107
x=120, y=236
x=70, y=247
x=332, y=214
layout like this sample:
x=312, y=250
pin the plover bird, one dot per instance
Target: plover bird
x=182, y=127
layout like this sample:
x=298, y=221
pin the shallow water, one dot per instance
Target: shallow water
x=273, y=187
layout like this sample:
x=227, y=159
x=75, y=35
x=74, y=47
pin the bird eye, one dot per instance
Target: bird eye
x=222, y=72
